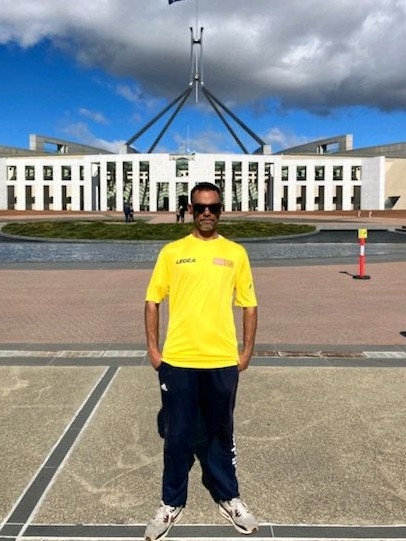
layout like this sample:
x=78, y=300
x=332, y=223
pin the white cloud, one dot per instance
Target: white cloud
x=207, y=141
x=95, y=116
x=312, y=54
x=279, y=139
x=80, y=132
x=134, y=94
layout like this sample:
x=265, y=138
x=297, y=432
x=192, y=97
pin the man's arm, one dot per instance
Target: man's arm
x=151, y=318
x=249, y=321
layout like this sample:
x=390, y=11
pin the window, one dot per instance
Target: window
x=144, y=185
x=338, y=172
x=236, y=185
x=111, y=185
x=237, y=169
x=219, y=174
x=127, y=171
x=356, y=172
x=48, y=172
x=182, y=167
x=12, y=172
x=285, y=172
x=268, y=170
x=301, y=172
x=356, y=198
x=29, y=172
x=66, y=172
x=253, y=166
x=319, y=172
x=144, y=171
x=127, y=182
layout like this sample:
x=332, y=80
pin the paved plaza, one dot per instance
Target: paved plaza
x=321, y=413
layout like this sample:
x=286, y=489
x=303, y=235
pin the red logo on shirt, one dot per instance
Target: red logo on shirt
x=223, y=262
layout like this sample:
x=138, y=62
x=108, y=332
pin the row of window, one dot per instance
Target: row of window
x=47, y=172
x=320, y=172
x=301, y=172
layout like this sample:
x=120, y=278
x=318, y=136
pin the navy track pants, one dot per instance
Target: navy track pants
x=188, y=396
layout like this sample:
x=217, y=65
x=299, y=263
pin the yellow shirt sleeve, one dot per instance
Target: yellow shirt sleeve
x=244, y=289
x=158, y=287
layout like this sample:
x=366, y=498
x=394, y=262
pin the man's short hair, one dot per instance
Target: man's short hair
x=204, y=187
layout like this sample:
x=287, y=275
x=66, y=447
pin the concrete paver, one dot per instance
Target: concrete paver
x=325, y=435
x=35, y=407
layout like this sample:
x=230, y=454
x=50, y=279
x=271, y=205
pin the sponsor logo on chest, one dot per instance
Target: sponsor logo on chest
x=184, y=260
x=223, y=262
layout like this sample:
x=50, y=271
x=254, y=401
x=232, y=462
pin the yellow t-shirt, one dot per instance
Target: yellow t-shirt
x=202, y=279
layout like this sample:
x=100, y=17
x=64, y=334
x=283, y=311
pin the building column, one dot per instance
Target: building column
x=39, y=188
x=291, y=202
x=119, y=186
x=347, y=186
x=228, y=185
x=20, y=187
x=261, y=185
x=244, y=185
x=3, y=184
x=310, y=187
x=57, y=188
x=103, y=187
x=136, y=185
x=328, y=188
x=75, y=187
x=277, y=185
x=152, y=194
x=90, y=170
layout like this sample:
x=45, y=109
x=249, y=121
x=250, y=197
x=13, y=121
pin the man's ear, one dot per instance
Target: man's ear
x=190, y=208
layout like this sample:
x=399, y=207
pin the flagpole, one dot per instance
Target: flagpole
x=196, y=55
x=197, y=15
x=199, y=53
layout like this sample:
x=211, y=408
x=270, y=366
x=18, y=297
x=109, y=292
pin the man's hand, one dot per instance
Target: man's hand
x=156, y=358
x=151, y=315
x=244, y=361
x=249, y=320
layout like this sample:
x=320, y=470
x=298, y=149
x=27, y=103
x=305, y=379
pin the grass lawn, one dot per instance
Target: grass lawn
x=141, y=230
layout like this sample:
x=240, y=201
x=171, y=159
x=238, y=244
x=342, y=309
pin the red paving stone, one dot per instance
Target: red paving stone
x=297, y=305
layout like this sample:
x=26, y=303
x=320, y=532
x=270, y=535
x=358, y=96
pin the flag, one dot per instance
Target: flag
x=172, y=1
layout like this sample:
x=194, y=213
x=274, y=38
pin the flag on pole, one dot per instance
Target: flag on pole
x=172, y=1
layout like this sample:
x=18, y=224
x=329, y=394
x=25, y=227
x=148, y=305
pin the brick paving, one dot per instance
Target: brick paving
x=297, y=305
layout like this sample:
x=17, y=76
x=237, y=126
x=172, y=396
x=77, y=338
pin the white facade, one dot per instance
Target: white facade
x=160, y=181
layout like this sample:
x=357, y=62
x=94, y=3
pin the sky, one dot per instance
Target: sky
x=293, y=71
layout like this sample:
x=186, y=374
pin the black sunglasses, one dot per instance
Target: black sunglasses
x=214, y=208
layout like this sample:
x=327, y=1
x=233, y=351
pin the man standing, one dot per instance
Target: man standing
x=198, y=368
x=182, y=212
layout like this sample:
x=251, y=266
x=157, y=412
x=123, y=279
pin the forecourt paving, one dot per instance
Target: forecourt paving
x=320, y=416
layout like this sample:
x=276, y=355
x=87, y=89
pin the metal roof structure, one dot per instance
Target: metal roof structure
x=196, y=83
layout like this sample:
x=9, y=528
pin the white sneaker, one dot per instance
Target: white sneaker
x=236, y=512
x=166, y=516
